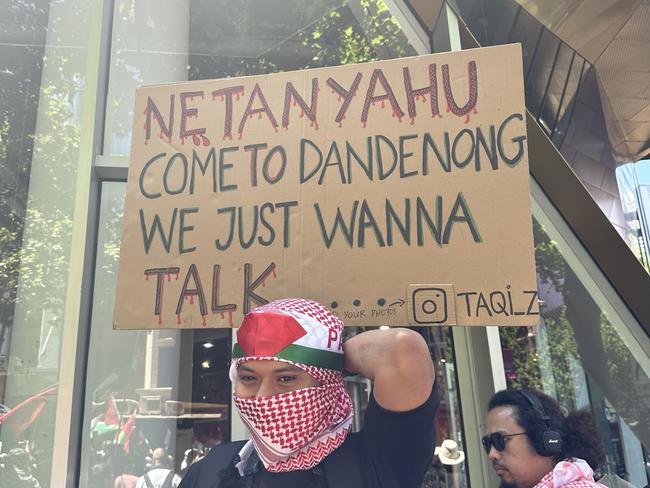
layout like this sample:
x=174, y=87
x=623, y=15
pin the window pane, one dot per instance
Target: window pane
x=146, y=389
x=43, y=66
x=584, y=357
x=449, y=423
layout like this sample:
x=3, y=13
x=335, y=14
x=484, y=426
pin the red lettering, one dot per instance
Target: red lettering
x=257, y=92
x=216, y=308
x=345, y=95
x=472, y=96
x=412, y=94
x=371, y=98
x=160, y=276
x=187, y=113
x=291, y=93
x=226, y=95
x=152, y=109
x=192, y=273
x=250, y=285
x=332, y=337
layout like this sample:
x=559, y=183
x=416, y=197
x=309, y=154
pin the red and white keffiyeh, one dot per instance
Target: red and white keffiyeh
x=298, y=429
x=575, y=473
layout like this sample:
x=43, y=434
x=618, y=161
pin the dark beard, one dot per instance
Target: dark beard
x=505, y=484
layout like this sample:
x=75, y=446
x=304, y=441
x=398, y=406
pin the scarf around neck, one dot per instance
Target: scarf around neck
x=295, y=430
x=574, y=473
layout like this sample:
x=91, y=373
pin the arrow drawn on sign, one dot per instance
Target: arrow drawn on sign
x=399, y=302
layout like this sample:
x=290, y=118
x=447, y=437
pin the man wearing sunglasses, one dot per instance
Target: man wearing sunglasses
x=533, y=445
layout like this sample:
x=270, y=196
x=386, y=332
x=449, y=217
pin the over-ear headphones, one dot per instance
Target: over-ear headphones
x=549, y=442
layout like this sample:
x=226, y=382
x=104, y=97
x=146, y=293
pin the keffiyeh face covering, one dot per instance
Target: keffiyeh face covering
x=295, y=430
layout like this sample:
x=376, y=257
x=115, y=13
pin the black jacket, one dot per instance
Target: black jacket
x=217, y=470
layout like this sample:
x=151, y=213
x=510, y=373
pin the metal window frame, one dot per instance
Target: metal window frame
x=574, y=101
x=66, y=462
x=566, y=83
x=411, y=26
x=548, y=81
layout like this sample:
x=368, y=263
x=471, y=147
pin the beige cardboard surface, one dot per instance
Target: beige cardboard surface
x=345, y=185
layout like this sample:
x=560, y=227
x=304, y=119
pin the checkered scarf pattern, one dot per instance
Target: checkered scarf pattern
x=296, y=430
x=575, y=473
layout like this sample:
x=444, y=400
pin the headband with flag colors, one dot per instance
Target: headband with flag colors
x=294, y=329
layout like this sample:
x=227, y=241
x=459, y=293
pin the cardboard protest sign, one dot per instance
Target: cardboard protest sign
x=393, y=192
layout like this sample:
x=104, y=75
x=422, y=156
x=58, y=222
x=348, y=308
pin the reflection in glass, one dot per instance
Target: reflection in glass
x=578, y=356
x=448, y=418
x=43, y=66
x=633, y=180
x=147, y=389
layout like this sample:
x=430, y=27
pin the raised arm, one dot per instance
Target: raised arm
x=398, y=362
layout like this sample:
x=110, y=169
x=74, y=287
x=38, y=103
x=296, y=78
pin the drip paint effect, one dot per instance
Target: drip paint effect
x=226, y=96
x=378, y=77
x=193, y=293
x=257, y=96
x=470, y=106
x=379, y=93
x=293, y=98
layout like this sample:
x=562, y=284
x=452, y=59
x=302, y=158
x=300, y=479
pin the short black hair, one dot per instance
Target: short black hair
x=580, y=437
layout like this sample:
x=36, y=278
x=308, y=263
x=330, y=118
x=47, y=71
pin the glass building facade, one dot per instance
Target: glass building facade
x=85, y=403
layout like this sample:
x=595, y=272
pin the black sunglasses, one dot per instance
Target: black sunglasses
x=496, y=439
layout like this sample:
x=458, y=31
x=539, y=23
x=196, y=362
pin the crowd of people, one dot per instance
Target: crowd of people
x=143, y=466
x=17, y=469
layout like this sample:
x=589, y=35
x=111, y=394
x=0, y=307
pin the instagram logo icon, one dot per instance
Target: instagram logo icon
x=429, y=305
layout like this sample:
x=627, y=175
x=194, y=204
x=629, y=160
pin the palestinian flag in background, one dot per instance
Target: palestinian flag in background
x=108, y=423
x=124, y=436
x=20, y=418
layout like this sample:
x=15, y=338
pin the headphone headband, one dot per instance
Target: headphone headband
x=537, y=406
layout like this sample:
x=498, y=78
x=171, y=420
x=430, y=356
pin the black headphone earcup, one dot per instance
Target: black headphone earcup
x=551, y=443
x=537, y=440
x=548, y=442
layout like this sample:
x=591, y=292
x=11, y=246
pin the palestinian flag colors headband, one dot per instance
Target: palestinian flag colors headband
x=293, y=329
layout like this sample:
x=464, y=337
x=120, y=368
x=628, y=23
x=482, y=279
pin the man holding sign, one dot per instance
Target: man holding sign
x=287, y=372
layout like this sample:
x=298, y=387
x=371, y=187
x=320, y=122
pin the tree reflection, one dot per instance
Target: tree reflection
x=577, y=352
